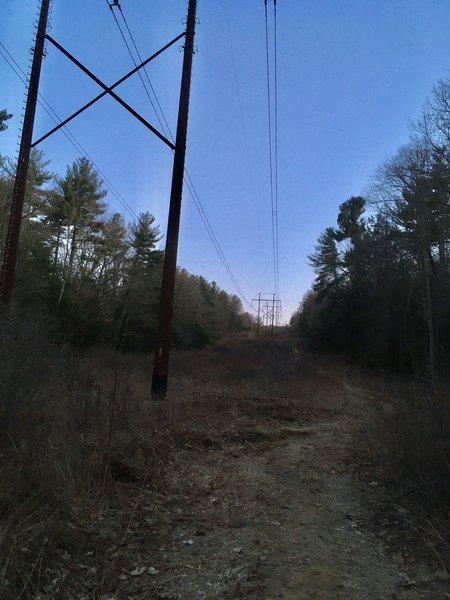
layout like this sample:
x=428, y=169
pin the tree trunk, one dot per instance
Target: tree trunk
x=70, y=267
x=428, y=312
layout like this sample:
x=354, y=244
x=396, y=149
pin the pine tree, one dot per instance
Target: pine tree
x=80, y=210
x=4, y=116
x=135, y=327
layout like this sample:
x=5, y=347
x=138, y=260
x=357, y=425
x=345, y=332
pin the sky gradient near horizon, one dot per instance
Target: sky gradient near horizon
x=351, y=75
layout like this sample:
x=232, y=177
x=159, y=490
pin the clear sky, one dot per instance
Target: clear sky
x=351, y=74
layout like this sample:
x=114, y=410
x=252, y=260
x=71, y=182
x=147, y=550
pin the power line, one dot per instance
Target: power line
x=241, y=112
x=271, y=174
x=213, y=237
x=277, y=283
x=188, y=181
x=132, y=56
x=13, y=64
x=168, y=132
x=160, y=117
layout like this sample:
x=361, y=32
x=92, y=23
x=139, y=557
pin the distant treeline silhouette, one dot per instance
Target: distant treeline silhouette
x=382, y=287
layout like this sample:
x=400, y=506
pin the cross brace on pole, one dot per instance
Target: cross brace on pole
x=109, y=89
x=15, y=218
x=110, y=92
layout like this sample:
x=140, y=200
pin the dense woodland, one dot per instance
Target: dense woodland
x=95, y=278
x=382, y=291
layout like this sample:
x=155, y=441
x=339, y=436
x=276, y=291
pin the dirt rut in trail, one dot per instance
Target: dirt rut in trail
x=317, y=548
x=286, y=518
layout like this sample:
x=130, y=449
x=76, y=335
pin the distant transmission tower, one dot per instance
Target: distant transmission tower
x=268, y=310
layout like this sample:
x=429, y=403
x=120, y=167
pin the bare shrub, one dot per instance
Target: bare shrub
x=84, y=450
x=25, y=383
x=410, y=447
x=412, y=441
x=62, y=420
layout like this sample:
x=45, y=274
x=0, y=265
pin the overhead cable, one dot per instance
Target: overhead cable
x=111, y=6
x=271, y=153
x=188, y=181
x=241, y=111
x=277, y=283
x=13, y=64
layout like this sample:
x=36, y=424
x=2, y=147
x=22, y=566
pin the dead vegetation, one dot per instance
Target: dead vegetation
x=409, y=445
x=106, y=495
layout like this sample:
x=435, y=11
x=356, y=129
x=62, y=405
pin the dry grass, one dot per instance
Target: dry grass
x=409, y=440
x=92, y=469
x=80, y=437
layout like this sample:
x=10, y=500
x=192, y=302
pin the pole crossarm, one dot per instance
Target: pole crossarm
x=109, y=90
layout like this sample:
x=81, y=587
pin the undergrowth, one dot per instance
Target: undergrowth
x=410, y=448
x=89, y=463
x=84, y=450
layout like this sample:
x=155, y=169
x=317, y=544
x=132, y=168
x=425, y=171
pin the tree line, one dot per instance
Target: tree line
x=382, y=288
x=95, y=277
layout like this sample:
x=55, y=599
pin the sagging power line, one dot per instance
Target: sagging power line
x=241, y=112
x=20, y=73
x=162, y=120
x=272, y=113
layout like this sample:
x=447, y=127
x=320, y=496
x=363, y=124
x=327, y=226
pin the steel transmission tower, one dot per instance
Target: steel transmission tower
x=268, y=311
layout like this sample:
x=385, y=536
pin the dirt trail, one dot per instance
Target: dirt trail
x=254, y=481
x=280, y=513
x=253, y=489
x=318, y=548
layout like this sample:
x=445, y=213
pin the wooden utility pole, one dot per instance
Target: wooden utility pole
x=161, y=361
x=15, y=216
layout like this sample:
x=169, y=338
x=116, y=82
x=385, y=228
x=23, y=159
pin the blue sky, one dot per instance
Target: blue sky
x=351, y=74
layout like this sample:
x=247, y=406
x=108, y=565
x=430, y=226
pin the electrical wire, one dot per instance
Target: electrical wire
x=168, y=132
x=271, y=152
x=14, y=65
x=213, y=237
x=277, y=283
x=241, y=112
x=188, y=181
x=110, y=6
